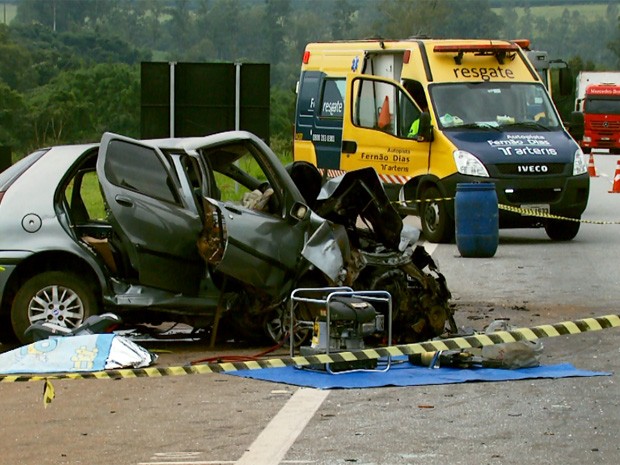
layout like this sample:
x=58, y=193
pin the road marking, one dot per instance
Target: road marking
x=201, y=462
x=275, y=440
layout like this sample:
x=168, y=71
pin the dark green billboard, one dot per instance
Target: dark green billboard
x=197, y=99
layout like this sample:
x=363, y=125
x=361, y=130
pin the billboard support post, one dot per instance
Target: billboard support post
x=172, y=98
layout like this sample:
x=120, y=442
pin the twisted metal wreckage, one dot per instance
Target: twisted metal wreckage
x=357, y=239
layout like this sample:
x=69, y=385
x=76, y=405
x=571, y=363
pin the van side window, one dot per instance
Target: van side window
x=332, y=98
x=383, y=106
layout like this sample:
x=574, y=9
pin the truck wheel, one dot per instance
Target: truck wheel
x=437, y=224
x=560, y=230
x=54, y=296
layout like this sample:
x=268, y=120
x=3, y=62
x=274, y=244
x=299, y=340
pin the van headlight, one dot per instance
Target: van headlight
x=580, y=165
x=466, y=163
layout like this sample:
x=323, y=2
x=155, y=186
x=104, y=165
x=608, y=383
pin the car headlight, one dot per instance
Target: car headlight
x=466, y=163
x=580, y=165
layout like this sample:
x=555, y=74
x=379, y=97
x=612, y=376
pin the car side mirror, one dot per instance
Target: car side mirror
x=576, y=128
x=425, y=132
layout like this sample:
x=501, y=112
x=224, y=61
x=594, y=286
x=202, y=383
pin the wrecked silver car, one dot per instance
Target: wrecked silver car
x=213, y=231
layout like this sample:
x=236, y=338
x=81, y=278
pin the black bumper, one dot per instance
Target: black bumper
x=566, y=196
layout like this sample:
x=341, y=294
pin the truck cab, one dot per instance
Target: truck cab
x=430, y=114
x=601, y=115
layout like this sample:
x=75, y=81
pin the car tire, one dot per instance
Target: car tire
x=562, y=230
x=56, y=297
x=437, y=224
x=278, y=325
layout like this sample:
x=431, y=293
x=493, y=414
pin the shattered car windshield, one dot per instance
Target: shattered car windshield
x=490, y=105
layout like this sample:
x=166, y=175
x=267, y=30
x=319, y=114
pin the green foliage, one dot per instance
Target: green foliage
x=68, y=68
x=91, y=196
x=281, y=122
x=78, y=106
x=12, y=113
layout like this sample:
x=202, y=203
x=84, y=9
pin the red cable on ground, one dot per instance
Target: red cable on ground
x=239, y=358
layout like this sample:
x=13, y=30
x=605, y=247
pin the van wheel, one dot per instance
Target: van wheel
x=437, y=224
x=561, y=230
x=55, y=297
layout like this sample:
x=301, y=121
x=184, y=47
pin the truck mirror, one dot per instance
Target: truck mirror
x=425, y=132
x=566, y=81
x=576, y=125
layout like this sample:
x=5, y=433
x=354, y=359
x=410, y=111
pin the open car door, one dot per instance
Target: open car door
x=156, y=223
x=376, y=130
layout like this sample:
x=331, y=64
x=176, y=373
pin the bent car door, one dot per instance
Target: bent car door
x=155, y=221
x=262, y=243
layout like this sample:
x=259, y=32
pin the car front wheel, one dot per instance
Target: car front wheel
x=55, y=297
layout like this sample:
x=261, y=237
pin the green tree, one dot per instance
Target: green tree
x=12, y=117
x=58, y=15
x=224, y=18
x=342, y=22
x=276, y=17
x=282, y=116
x=15, y=62
x=526, y=23
x=180, y=28
x=50, y=53
x=613, y=45
x=511, y=28
x=399, y=19
x=473, y=19
x=78, y=106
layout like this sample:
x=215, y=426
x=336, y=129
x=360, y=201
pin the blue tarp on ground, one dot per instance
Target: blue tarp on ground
x=82, y=353
x=58, y=355
x=405, y=374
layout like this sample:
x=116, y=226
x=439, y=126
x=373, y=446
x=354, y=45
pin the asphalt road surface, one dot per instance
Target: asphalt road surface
x=223, y=419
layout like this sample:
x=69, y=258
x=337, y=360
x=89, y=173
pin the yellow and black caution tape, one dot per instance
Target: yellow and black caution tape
x=48, y=393
x=542, y=214
x=439, y=199
x=522, y=211
x=465, y=342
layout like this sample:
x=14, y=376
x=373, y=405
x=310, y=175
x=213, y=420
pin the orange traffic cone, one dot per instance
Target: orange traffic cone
x=616, y=186
x=591, y=167
x=384, y=114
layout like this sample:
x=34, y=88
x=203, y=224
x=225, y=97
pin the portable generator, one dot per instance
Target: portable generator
x=345, y=319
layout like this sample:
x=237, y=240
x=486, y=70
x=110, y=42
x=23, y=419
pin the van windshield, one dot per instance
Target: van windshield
x=492, y=105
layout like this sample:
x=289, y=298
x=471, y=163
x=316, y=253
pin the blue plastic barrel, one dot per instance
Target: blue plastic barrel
x=476, y=219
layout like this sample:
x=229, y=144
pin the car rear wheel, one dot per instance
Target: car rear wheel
x=55, y=297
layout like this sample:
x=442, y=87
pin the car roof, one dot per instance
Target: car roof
x=193, y=143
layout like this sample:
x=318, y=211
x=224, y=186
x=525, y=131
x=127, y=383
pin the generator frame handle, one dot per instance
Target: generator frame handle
x=330, y=293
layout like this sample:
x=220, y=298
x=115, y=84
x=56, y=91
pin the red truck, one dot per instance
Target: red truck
x=598, y=98
x=601, y=114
